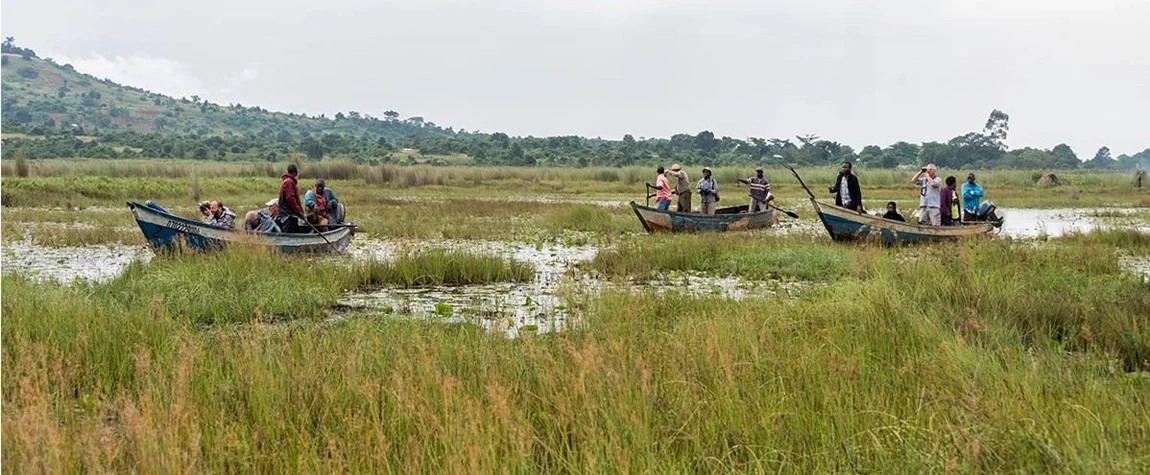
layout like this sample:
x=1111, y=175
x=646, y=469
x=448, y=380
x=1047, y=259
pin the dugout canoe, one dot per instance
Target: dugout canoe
x=731, y=218
x=165, y=231
x=848, y=225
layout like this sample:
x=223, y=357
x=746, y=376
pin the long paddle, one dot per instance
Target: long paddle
x=337, y=251
x=813, y=202
x=788, y=213
x=649, y=195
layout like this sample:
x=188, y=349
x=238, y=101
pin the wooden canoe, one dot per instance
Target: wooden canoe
x=731, y=218
x=165, y=231
x=848, y=225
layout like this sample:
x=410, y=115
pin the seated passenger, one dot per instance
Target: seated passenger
x=321, y=207
x=219, y=215
x=892, y=212
x=261, y=220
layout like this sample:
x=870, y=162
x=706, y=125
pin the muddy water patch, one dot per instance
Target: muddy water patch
x=1139, y=265
x=65, y=264
x=551, y=302
x=1034, y=223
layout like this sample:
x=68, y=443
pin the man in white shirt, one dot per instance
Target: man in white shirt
x=930, y=185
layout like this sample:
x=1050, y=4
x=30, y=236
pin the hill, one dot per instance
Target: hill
x=54, y=111
x=41, y=93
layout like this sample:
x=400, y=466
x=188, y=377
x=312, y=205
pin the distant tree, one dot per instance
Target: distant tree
x=1064, y=157
x=706, y=143
x=27, y=72
x=391, y=116
x=1102, y=159
x=997, y=126
x=900, y=153
x=501, y=139
x=340, y=116
x=312, y=148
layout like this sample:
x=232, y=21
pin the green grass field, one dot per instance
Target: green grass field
x=455, y=202
x=981, y=356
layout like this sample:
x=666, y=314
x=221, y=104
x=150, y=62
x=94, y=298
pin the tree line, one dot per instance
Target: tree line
x=984, y=149
x=96, y=118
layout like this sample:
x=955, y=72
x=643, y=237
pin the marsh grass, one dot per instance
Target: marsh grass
x=60, y=182
x=437, y=268
x=963, y=358
x=760, y=257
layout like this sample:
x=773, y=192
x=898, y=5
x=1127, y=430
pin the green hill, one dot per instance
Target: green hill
x=41, y=94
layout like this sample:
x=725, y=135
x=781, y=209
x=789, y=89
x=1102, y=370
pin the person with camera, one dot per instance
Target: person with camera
x=930, y=195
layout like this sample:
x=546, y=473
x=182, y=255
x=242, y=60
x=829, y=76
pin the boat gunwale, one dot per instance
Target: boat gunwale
x=973, y=229
x=303, y=239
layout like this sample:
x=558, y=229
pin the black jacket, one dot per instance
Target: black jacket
x=852, y=189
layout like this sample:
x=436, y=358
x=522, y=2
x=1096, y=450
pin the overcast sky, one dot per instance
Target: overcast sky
x=860, y=72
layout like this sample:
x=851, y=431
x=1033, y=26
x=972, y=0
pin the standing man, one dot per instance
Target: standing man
x=682, y=187
x=708, y=193
x=1139, y=175
x=930, y=188
x=290, y=208
x=662, y=190
x=760, y=191
x=846, y=189
x=971, y=194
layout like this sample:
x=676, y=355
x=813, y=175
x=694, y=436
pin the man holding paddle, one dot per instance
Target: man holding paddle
x=760, y=191
x=290, y=208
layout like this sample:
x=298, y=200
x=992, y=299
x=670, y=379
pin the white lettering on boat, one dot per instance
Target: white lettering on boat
x=181, y=227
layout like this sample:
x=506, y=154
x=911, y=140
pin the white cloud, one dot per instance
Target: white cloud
x=155, y=74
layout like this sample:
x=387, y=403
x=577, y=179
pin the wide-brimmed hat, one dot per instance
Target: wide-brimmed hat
x=676, y=167
x=706, y=169
x=758, y=169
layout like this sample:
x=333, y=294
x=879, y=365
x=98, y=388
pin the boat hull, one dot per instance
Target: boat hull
x=848, y=225
x=166, y=232
x=732, y=218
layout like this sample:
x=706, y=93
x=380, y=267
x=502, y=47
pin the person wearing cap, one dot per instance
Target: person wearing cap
x=662, y=190
x=321, y=206
x=682, y=187
x=261, y=220
x=760, y=191
x=708, y=193
x=930, y=194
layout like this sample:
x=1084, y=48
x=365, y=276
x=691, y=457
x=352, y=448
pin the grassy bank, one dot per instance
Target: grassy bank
x=966, y=357
x=104, y=182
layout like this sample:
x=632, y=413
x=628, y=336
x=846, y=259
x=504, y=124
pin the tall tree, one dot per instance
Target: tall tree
x=997, y=127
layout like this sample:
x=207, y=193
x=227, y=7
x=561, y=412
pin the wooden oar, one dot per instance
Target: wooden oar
x=337, y=251
x=788, y=213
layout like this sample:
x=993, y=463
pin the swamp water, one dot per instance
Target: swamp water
x=544, y=304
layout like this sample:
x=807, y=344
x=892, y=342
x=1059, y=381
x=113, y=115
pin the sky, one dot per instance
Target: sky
x=859, y=72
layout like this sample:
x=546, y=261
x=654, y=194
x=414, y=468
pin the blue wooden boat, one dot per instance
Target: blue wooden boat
x=165, y=231
x=849, y=225
x=731, y=218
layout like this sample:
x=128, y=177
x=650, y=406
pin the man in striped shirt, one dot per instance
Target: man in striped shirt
x=760, y=191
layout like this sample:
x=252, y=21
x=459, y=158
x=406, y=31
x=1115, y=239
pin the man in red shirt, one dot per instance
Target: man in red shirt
x=290, y=208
